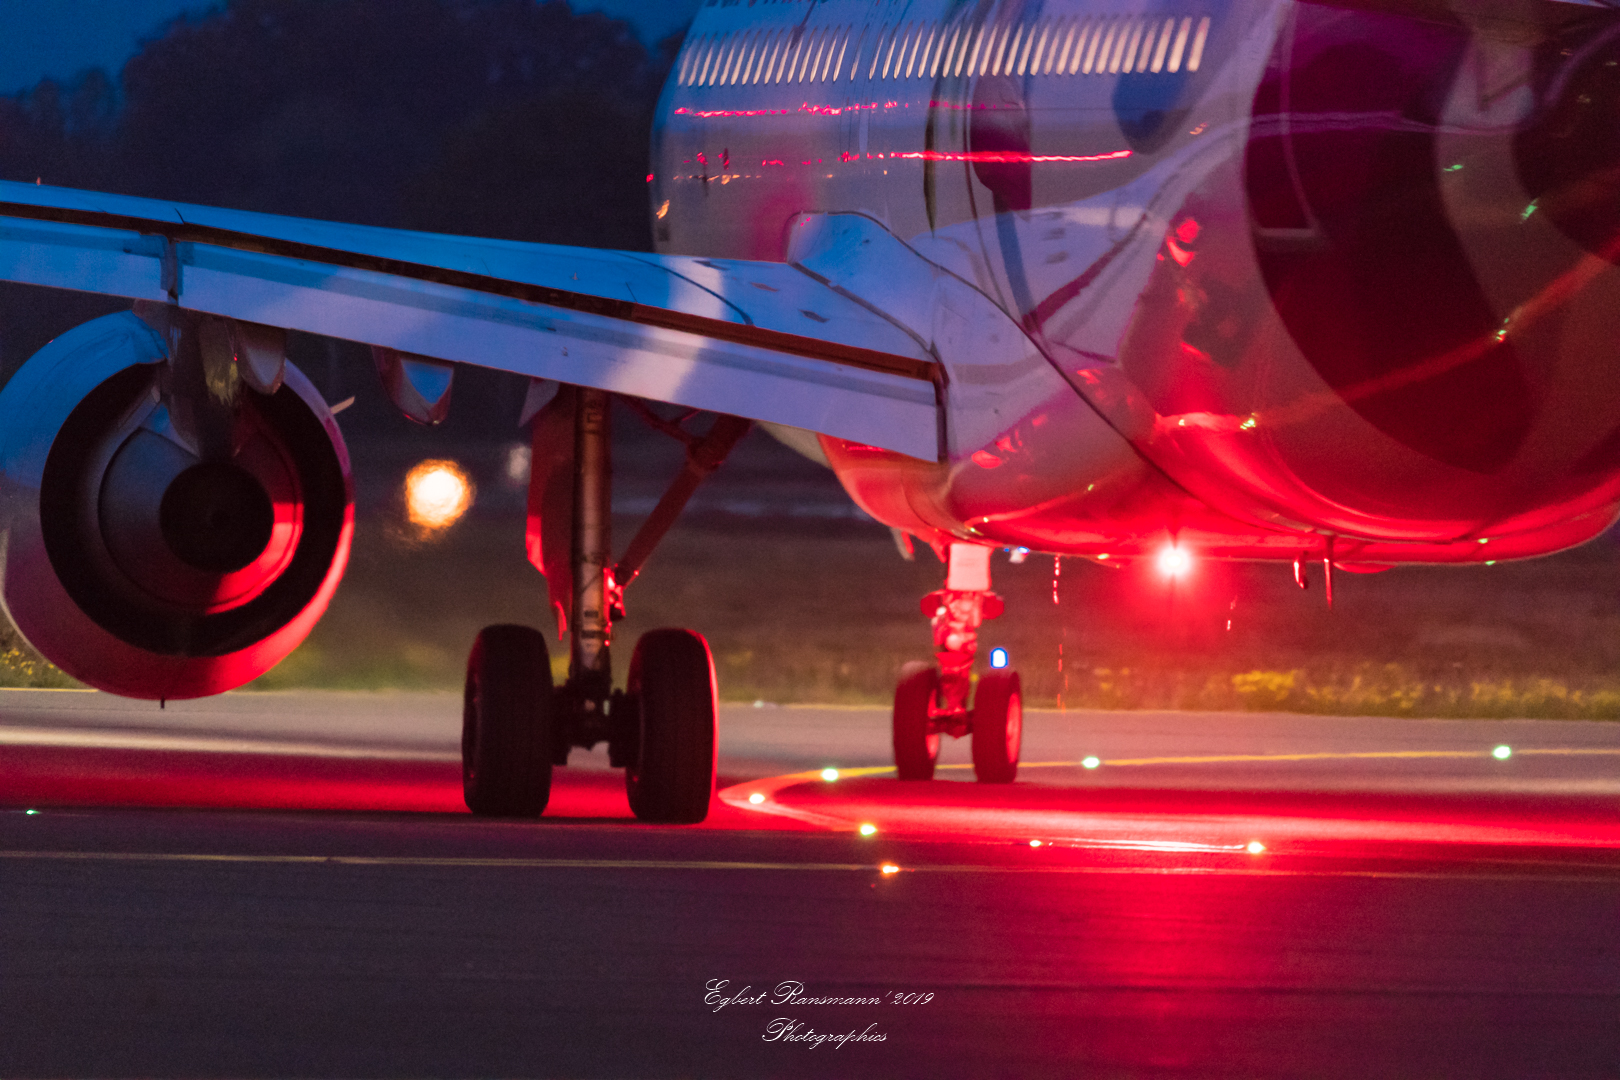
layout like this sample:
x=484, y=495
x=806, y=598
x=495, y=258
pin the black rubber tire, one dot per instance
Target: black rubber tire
x=915, y=749
x=671, y=684
x=506, y=723
x=998, y=727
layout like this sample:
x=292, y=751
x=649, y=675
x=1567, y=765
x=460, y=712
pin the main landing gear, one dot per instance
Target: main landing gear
x=932, y=700
x=661, y=729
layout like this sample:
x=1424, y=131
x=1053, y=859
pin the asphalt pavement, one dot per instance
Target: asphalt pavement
x=286, y=885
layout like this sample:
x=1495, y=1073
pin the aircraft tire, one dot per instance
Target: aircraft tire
x=506, y=724
x=998, y=727
x=671, y=683
x=915, y=748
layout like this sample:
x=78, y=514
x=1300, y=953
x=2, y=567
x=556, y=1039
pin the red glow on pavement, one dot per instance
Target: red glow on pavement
x=1170, y=822
x=62, y=776
x=56, y=776
x=1192, y=821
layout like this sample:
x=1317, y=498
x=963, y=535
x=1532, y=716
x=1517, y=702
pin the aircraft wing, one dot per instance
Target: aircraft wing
x=761, y=340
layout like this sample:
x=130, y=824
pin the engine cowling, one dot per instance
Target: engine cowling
x=166, y=534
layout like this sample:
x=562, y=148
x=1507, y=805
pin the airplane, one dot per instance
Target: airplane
x=1329, y=283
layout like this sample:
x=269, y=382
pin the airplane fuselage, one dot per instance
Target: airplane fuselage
x=1296, y=275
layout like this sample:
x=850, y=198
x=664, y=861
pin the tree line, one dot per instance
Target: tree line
x=516, y=119
x=506, y=118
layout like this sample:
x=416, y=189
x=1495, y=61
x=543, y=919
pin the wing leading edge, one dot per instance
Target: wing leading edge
x=759, y=340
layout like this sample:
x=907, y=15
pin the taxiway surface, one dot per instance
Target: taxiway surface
x=287, y=885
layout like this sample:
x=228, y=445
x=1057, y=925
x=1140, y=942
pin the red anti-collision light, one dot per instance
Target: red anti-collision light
x=1174, y=562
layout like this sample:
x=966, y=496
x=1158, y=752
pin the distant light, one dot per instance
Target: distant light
x=1255, y=847
x=518, y=457
x=1103, y=557
x=437, y=494
x=829, y=774
x=31, y=813
x=1034, y=843
x=1174, y=562
x=890, y=868
x=1490, y=562
x=1502, y=753
x=868, y=829
x=756, y=798
x=1018, y=555
x=1092, y=762
x=998, y=658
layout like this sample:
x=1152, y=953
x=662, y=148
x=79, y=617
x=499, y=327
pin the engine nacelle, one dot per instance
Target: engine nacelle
x=168, y=531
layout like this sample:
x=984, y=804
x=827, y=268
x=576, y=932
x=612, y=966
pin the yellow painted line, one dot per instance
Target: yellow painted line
x=1572, y=751
x=1218, y=759
x=742, y=796
x=415, y=861
x=1221, y=759
x=410, y=862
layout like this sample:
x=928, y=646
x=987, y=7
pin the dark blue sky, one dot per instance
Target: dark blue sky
x=61, y=37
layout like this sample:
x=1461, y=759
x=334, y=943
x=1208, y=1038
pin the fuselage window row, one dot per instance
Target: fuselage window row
x=1082, y=45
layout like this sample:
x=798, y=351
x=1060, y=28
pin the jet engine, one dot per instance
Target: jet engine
x=176, y=506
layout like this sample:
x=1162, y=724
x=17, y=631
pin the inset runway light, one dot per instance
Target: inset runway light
x=1502, y=753
x=437, y=494
x=998, y=658
x=1091, y=762
x=890, y=868
x=1174, y=562
x=1255, y=847
x=756, y=798
x=868, y=829
x=829, y=774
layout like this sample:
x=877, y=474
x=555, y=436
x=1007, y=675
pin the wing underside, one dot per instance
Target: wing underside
x=759, y=340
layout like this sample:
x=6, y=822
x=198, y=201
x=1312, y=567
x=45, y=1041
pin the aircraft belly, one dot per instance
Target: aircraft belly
x=1262, y=324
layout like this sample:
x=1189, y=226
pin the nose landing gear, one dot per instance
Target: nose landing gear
x=932, y=701
x=661, y=728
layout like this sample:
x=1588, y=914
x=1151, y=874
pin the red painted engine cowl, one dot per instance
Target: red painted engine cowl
x=155, y=562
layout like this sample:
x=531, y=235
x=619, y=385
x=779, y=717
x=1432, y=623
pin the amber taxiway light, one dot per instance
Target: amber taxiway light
x=437, y=494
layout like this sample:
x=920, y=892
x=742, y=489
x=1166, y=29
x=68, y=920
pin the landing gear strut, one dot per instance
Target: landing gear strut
x=661, y=728
x=932, y=701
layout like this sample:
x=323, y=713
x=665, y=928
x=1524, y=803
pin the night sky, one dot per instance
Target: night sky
x=60, y=37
